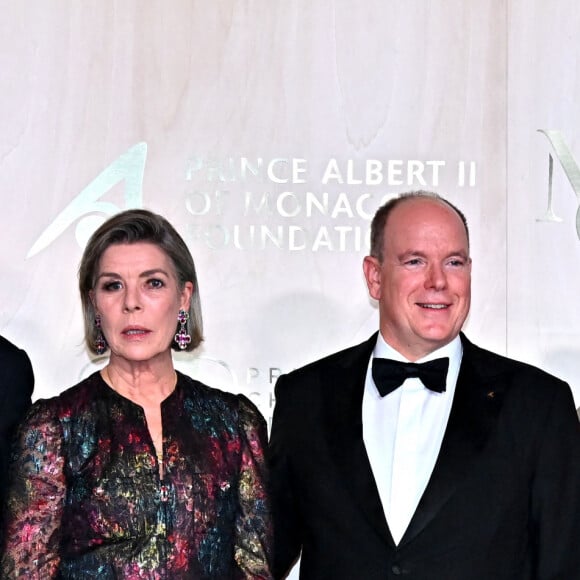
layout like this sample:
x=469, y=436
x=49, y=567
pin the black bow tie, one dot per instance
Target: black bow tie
x=389, y=374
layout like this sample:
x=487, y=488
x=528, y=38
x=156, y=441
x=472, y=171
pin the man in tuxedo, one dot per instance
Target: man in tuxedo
x=417, y=454
x=16, y=385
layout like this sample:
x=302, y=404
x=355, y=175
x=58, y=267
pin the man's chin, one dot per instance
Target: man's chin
x=435, y=340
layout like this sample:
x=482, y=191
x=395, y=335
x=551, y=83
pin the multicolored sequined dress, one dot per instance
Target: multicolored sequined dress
x=87, y=501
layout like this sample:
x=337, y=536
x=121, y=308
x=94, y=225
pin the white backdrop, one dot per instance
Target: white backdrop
x=268, y=133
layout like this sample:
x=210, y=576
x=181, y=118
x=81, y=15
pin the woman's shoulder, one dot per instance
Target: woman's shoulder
x=67, y=401
x=193, y=388
x=206, y=396
x=49, y=416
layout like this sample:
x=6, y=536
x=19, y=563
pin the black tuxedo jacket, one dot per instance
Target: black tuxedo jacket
x=16, y=384
x=503, y=501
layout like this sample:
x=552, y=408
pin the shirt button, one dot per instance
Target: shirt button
x=396, y=569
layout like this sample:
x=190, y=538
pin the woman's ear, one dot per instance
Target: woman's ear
x=93, y=300
x=186, y=294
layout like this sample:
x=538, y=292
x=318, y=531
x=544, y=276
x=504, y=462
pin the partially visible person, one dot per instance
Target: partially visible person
x=16, y=386
x=418, y=454
x=139, y=472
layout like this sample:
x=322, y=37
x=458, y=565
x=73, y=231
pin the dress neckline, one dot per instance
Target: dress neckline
x=109, y=389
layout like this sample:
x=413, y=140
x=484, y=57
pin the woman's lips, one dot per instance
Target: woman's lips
x=133, y=331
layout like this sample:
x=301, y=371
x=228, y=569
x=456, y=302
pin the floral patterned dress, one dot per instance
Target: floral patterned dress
x=86, y=499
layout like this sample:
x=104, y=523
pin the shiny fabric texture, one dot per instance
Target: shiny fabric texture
x=86, y=500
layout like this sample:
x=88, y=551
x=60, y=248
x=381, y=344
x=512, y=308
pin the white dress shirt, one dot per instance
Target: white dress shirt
x=403, y=432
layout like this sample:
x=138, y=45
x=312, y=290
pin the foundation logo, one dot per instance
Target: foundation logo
x=88, y=208
x=571, y=169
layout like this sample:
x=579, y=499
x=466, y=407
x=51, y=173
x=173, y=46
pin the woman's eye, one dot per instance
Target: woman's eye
x=112, y=286
x=156, y=283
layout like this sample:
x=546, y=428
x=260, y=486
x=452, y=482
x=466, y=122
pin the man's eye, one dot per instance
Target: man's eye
x=456, y=263
x=412, y=262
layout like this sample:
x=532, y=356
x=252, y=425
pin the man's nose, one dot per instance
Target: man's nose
x=436, y=277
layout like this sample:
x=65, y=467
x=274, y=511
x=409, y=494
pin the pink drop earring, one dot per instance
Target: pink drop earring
x=100, y=342
x=182, y=338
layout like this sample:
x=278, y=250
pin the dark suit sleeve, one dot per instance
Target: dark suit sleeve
x=287, y=527
x=16, y=385
x=555, y=497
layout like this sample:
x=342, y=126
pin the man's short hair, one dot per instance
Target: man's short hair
x=382, y=214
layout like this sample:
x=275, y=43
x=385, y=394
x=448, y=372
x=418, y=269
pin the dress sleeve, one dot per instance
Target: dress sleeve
x=35, y=497
x=253, y=541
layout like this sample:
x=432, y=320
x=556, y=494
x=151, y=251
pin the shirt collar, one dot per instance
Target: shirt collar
x=453, y=350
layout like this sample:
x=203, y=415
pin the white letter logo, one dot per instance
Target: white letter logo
x=129, y=168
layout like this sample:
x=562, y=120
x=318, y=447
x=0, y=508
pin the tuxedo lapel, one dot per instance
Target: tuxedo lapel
x=472, y=415
x=477, y=397
x=344, y=386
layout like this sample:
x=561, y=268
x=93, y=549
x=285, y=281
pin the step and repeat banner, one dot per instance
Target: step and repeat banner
x=268, y=133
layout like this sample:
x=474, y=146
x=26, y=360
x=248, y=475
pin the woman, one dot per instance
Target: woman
x=139, y=471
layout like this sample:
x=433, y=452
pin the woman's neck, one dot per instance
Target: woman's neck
x=145, y=384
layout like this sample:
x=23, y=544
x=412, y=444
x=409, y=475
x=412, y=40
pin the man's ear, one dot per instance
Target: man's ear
x=372, y=271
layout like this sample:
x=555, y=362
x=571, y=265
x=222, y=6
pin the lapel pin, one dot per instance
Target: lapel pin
x=491, y=394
